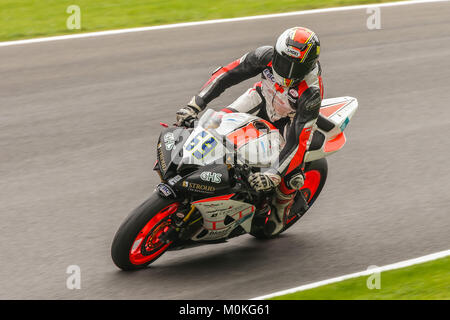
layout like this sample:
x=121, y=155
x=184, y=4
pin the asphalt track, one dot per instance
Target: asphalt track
x=78, y=125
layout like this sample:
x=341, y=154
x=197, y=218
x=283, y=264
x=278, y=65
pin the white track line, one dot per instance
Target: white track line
x=397, y=265
x=198, y=23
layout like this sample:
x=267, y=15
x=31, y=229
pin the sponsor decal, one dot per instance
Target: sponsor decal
x=216, y=234
x=161, y=160
x=224, y=208
x=174, y=180
x=293, y=93
x=169, y=141
x=314, y=101
x=165, y=190
x=293, y=52
x=211, y=205
x=221, y=212
x=345, y=123
x=211, y=176
x=197, y=187
x=208, y=144
x=269, y=75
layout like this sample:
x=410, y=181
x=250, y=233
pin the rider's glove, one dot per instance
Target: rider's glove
x=264, y=181
x=189, y=113
x=186, y=115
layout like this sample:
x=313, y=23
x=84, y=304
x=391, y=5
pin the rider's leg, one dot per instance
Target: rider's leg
x=252, y=102
x=283, y=200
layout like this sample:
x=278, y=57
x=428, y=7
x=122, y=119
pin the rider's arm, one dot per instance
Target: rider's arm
x=250, y=65
x=299, y=131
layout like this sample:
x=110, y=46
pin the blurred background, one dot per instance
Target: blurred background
x=23, y=19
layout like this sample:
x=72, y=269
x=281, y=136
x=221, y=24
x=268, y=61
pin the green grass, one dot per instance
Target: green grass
x=21, y=19
x=426, y=281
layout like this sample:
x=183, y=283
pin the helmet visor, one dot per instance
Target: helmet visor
x=289, y=69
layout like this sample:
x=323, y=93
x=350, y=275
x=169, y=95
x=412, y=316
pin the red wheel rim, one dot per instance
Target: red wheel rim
x=312, y=182
x=147, y=246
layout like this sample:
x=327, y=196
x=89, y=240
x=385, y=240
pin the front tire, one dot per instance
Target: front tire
x=136, y=243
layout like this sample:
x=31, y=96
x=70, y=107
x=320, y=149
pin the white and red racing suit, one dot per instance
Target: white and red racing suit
x=292, y=110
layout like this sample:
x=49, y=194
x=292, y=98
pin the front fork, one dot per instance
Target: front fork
x=180, y=221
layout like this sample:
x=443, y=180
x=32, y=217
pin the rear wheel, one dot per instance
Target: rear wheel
x=136, y=243
x=315, y=177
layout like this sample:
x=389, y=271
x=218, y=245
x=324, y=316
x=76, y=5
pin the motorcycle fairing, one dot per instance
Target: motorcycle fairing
x=218, y=134
x=329, y=135
x=213, y=179
x=170, y=144
x=221, y=215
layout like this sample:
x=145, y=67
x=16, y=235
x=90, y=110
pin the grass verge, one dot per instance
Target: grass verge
x=425, y=281
x=23, y=19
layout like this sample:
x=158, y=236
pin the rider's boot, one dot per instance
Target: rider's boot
x=281, y=205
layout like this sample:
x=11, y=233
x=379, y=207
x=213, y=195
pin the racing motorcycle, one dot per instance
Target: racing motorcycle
x=204, y=196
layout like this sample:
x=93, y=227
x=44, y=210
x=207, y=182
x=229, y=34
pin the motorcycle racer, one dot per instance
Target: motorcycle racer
x=289, y=96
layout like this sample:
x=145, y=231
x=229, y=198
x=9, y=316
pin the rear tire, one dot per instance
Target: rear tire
x=135, y=244
x=320, y=169
x=315, y=177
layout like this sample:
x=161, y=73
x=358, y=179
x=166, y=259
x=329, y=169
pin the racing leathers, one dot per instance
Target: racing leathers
x=292, y=110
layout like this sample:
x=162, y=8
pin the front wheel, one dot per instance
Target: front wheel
x=136, y=243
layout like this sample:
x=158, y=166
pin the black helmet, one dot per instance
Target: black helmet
x=296, y=53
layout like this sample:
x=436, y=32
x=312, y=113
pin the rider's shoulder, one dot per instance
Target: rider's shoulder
x=263, y=55
x=312, y=78
x=264, y=50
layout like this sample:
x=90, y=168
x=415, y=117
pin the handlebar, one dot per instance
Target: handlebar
x=188, y=124
x=242, y=172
